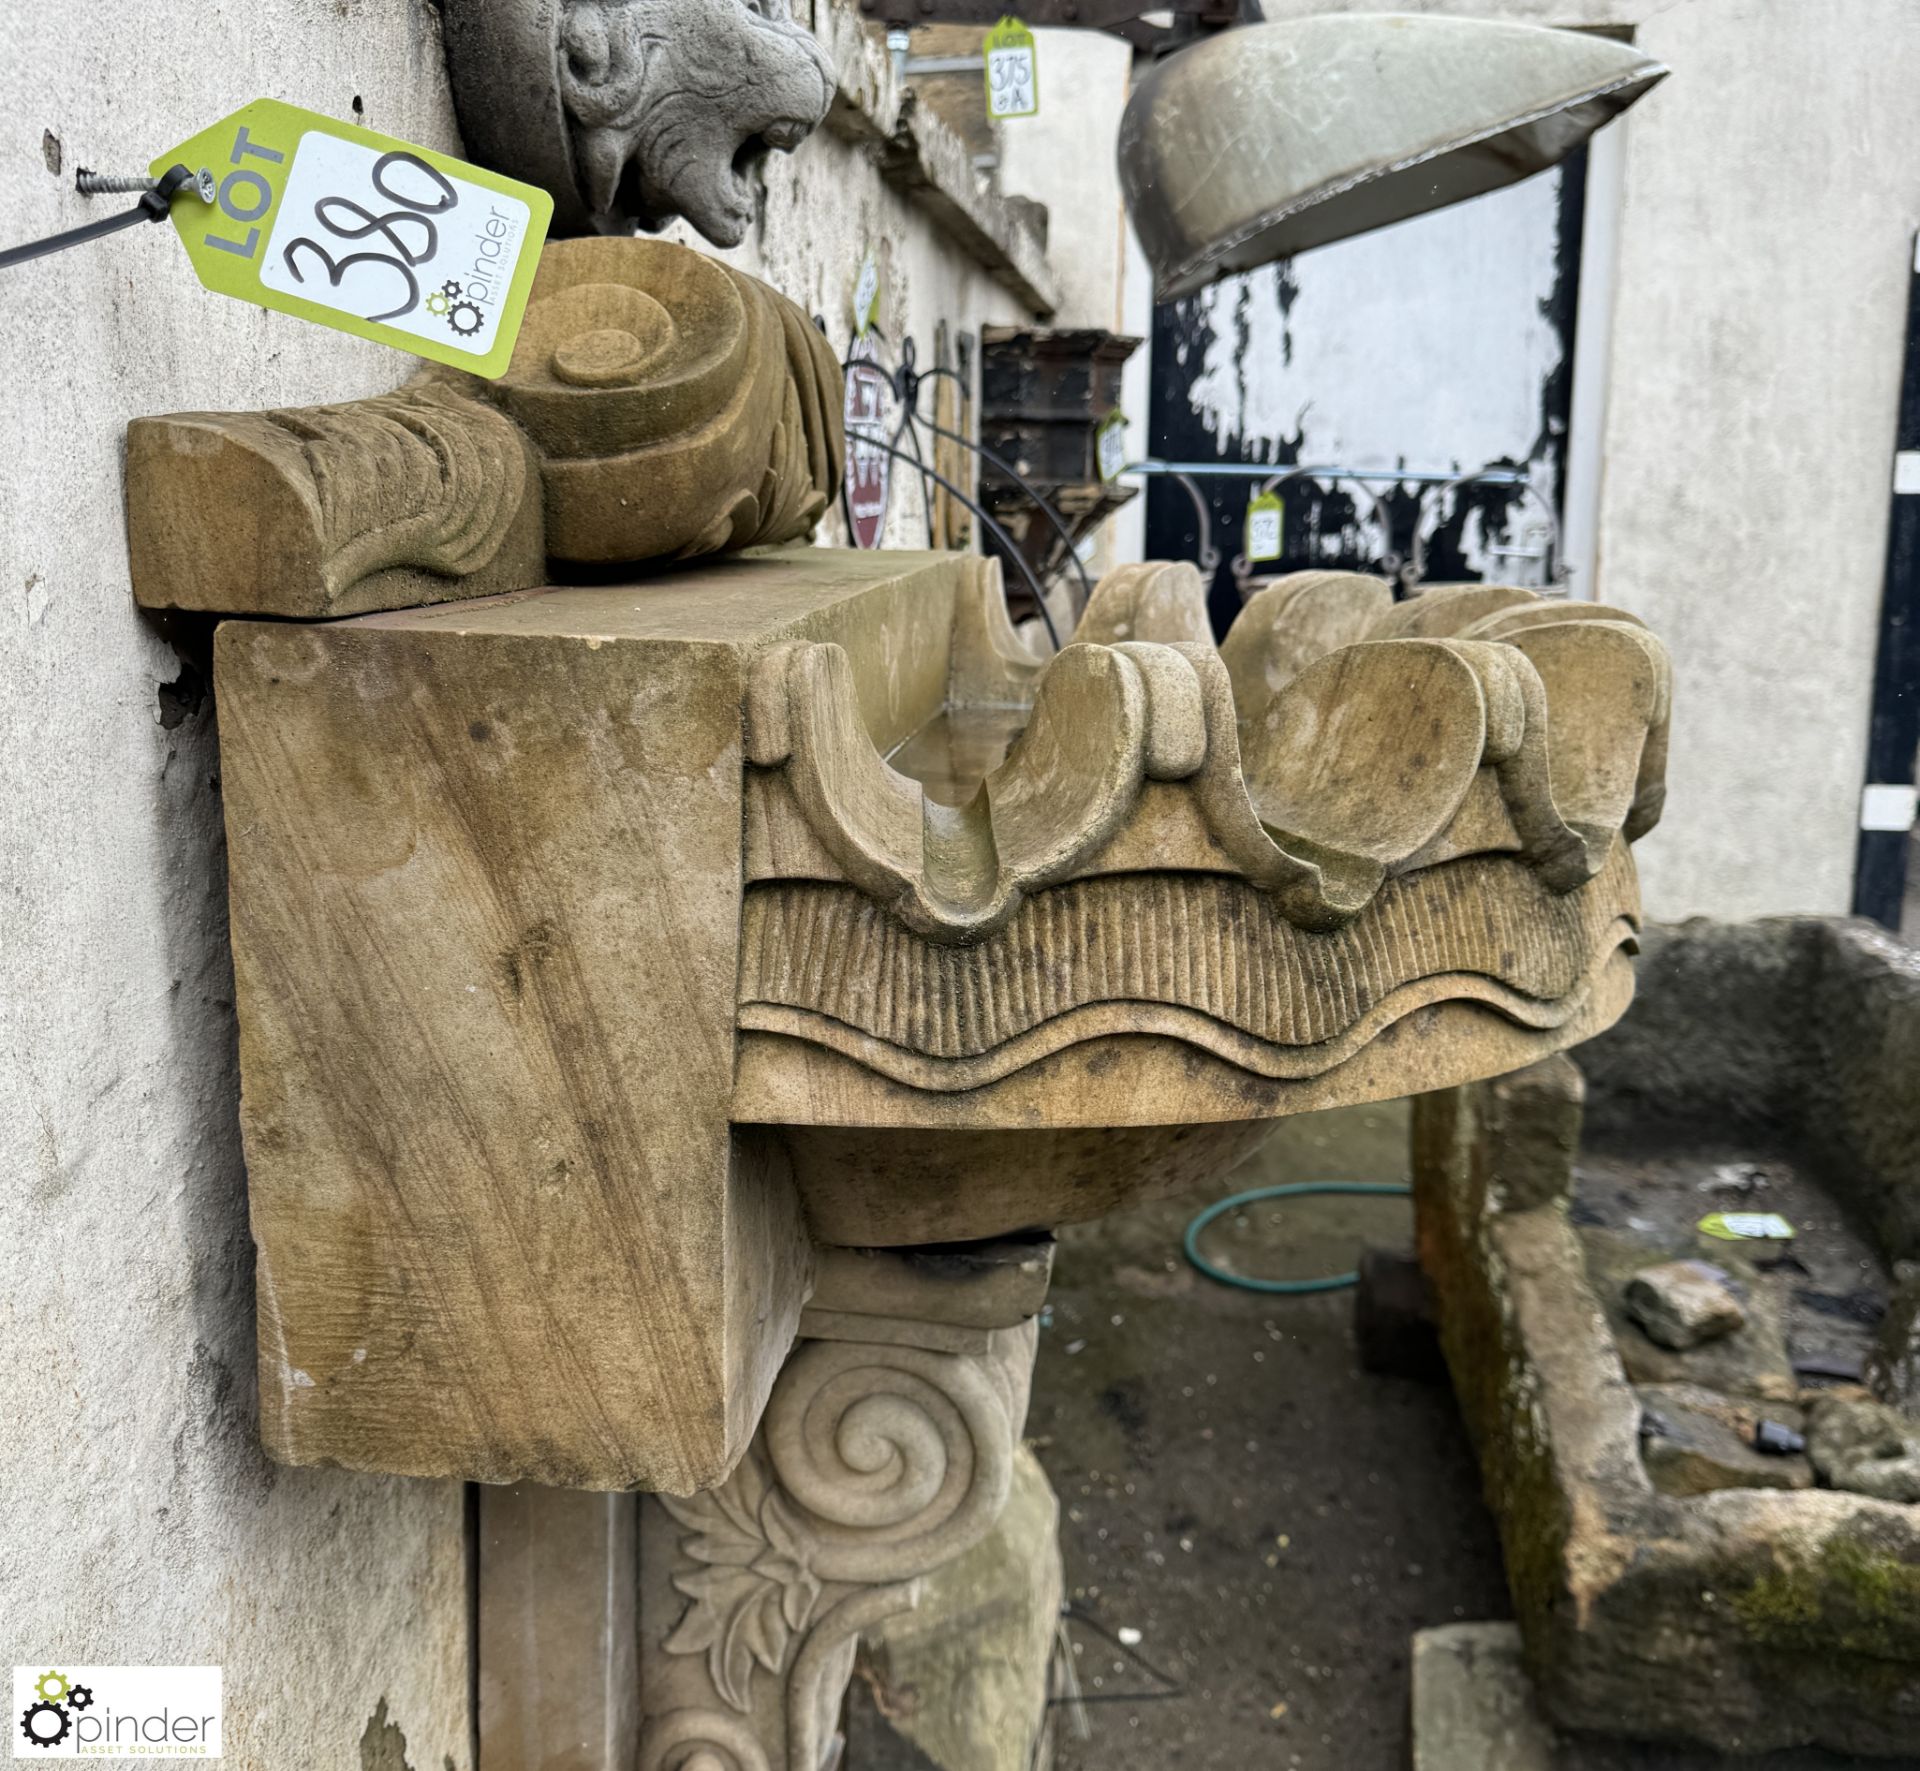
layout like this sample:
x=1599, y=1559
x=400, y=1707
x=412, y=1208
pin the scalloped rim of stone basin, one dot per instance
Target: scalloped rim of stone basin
x=1361, y=848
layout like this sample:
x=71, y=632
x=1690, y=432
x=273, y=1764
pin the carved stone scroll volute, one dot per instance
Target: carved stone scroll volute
x=878, y=1461
x=658, y=404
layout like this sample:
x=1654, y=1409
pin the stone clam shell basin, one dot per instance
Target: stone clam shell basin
x=1078, y=937
x=608, y=956
x=611, y=957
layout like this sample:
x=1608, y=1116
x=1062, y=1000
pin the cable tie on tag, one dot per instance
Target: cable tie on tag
x=155, y=203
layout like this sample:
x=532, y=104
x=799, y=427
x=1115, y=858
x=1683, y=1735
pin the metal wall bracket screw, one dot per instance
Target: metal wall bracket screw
x=103, y=184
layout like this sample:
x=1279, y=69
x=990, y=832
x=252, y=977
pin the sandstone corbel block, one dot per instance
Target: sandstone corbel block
x=486, y=866
x=597, y=955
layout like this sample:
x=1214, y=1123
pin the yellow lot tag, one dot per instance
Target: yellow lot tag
x=1013, y=72
x=1747, y=1226
x=1266, y=521
x=369, y=235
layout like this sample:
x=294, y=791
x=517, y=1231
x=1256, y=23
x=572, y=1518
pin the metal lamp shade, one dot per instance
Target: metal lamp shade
x=1270, y=139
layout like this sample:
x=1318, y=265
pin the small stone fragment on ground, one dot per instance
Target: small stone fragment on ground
x=1683, y=1303
x=1695, y=1441
x=1753, y=1363
x=1473, y=1705
x=1742, y=1179
x=1864, y=1448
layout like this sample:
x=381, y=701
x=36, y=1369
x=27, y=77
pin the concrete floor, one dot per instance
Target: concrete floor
x=1274, y=1522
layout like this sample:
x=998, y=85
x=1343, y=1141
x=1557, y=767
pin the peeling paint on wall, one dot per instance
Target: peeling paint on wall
x=1442, y=344
x=383, y=1744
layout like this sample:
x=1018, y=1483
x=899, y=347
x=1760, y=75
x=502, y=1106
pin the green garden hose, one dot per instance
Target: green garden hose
x=1284, y=1287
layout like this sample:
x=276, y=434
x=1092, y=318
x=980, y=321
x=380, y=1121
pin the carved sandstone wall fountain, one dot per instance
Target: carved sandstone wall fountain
x=644, y=982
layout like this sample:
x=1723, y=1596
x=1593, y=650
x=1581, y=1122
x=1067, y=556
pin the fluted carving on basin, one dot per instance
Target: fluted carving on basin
x=1486, y=720
x=1209, y=960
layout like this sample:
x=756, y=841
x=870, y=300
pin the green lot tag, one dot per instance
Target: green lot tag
x=1110, y=445
x=368, y=235
x=866, y=296
x=1266, y=517
x=1747, y=1226
x=1013, y=77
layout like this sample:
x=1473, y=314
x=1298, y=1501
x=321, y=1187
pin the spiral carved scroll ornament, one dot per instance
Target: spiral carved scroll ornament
x=875, y=1464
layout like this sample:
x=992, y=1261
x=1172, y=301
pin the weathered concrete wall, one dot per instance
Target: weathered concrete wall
x=825, y=207
x=142, y=1524
x=1767, y=202
x=1435, y=345
x=1064, y=158
x=1772, y=188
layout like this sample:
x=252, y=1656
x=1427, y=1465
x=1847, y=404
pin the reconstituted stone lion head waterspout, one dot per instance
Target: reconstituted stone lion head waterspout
x=633, y=112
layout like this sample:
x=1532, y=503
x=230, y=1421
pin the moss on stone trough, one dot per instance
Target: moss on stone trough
x=1852, y=1597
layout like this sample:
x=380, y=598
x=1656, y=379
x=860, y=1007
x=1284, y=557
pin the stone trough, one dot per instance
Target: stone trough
x=1691, y=1443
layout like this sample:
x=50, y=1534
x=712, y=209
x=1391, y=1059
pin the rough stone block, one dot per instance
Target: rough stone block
x=1532, y=1121
x=1473, y=1706
x=1893, y=1368
x=1865, y=1448
x=960, y=1682
x=1753, y=1363
x=1682, y=1303
x=1813, y=1634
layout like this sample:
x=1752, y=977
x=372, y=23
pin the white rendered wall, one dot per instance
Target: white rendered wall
x=1729, y=481
x=141, y=1522
x=1770, y=197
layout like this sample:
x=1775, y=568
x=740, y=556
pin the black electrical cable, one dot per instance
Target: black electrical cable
x=907, y=379
x=1173, y=1687
x=998, y=533
x=153, y=206
x=1046, y=508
